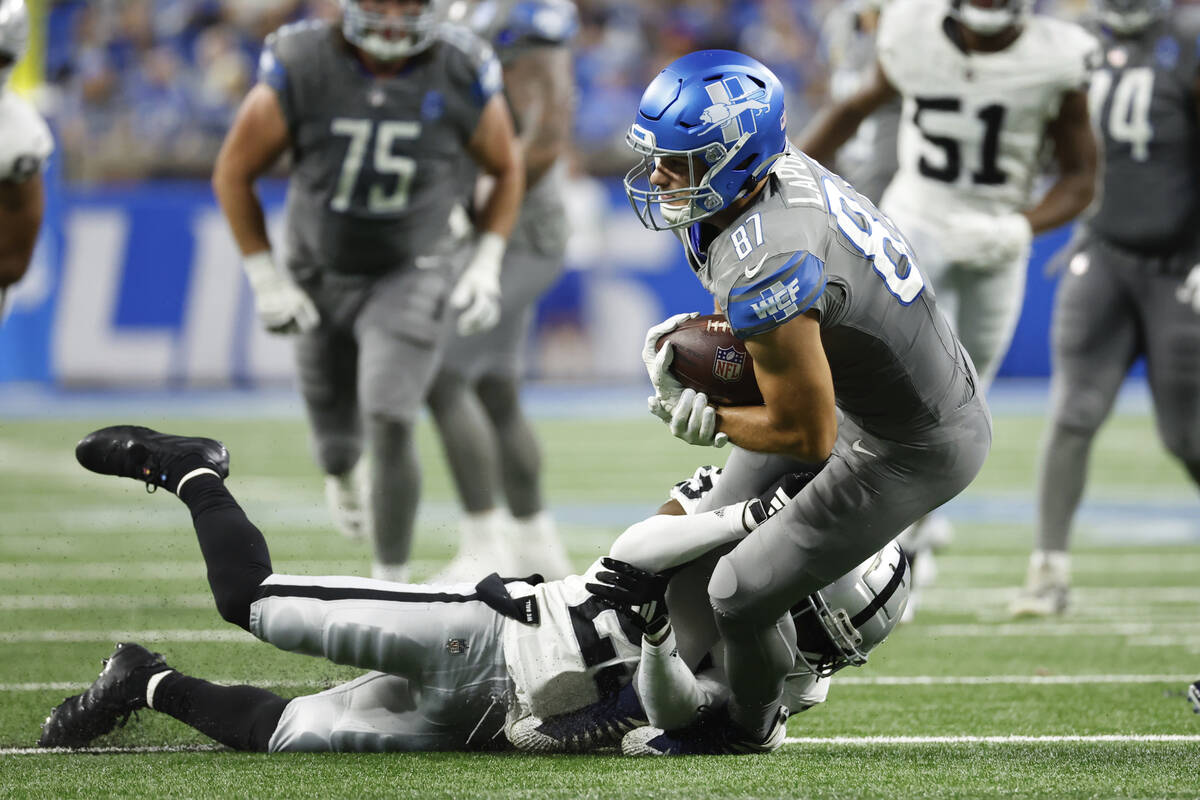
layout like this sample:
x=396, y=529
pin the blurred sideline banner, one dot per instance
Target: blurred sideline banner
x=142, y=286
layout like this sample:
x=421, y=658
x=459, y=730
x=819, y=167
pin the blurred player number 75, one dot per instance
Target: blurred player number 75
x=710, y=359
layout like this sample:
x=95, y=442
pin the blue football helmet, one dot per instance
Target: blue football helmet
x=721, y=111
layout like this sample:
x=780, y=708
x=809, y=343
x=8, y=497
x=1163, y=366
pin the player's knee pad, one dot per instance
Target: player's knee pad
x=306, y=724
x=294, y=624
x=734, y=598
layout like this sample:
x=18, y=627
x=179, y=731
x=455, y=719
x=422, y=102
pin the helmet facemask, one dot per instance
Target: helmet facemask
x=1126, y=17
x=664, y=209
x=826, y=640
x=389, y=37
x=991, y=20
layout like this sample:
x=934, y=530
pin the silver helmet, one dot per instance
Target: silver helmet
x=838, y=625
x=987, y=20
x=388, y=37
x=1126, y=17
x=14, y=36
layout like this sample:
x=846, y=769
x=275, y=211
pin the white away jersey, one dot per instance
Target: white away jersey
x=25, y=141
x=581, y=648
x=973, y=124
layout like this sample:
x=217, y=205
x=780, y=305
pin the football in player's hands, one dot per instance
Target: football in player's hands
x=710, y=359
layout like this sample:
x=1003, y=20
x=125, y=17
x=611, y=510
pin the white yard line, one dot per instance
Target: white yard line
x=221, y=635
x=75, y=686
x=1103, y=738
x=50, y=751
x=108, y=602
x=1042, y=628
x=1031, y=680
x=187, y=569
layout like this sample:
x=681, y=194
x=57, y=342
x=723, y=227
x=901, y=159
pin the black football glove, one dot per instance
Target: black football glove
x=635, y=593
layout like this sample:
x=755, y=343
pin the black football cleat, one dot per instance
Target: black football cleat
x=713, y=734
x=118, y=692
x=159, y=459
x=1193, y=694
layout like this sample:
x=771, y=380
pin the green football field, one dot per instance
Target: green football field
x=961, y=703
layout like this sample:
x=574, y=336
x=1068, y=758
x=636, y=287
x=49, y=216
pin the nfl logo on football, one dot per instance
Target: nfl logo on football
x=727, y=365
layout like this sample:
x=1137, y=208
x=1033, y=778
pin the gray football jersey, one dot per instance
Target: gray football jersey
x=515, y=28
x=377, y=160
x=809, y=241
x=1143, y=102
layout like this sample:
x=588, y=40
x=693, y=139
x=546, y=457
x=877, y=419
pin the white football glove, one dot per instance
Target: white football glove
x=695, y=421
x=1189, y=292
x=986, y=241
x=666, y=388
x=282, y=306
x=476, y=296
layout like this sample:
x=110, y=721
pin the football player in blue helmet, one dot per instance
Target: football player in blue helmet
x=828, y=298
x=1125, y=17
x=990, y=17
x=390, y=29
x=725, y=135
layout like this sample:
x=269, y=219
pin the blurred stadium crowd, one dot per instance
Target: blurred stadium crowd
x=168, y=74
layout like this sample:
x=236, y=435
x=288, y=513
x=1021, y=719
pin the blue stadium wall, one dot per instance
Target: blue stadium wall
x=141, y=285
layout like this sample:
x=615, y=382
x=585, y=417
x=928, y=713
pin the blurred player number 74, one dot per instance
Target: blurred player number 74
x=710, y=359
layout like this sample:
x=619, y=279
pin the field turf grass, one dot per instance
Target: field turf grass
x=961, y=703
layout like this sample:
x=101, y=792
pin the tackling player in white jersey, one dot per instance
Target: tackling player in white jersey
x=25, y=144
x=985, y=86
x=451, y=663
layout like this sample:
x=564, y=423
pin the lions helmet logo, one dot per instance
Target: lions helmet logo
x=733, y=108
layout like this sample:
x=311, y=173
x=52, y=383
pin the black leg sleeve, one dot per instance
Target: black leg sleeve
x=241, y=717
x=234, y=550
